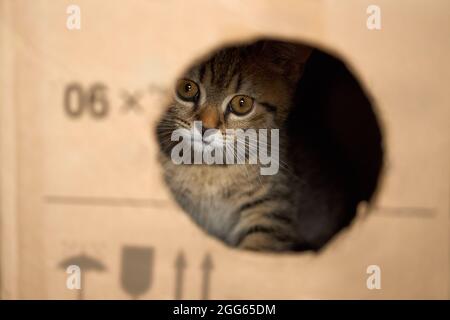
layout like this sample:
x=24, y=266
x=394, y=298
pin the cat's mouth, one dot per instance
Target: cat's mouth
x=206, y=142
x=202, y=143
x=207, y=139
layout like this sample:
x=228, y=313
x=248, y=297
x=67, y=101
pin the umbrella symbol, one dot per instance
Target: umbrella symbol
x=85, y=263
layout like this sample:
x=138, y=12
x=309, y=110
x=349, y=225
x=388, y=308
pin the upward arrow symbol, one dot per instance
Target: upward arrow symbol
x=180, y=265
x=207, y=266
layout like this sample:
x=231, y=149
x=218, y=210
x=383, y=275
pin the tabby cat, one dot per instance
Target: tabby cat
x=251, y=86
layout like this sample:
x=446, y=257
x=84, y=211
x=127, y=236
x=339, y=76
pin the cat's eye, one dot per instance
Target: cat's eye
x=187, y=90
x=241, y=105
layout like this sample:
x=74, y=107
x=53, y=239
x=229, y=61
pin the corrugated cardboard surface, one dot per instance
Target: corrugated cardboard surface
x=88, y=191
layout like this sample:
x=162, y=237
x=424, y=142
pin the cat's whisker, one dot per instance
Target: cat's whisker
x=280, y=162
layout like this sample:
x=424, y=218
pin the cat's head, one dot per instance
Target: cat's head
x=237, y=88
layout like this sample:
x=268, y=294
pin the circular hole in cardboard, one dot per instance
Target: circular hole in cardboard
x=334, y=148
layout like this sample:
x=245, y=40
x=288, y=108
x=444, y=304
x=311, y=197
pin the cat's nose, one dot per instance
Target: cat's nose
x=209, y=118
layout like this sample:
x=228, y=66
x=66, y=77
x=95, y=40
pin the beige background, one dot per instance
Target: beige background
x=91, y=187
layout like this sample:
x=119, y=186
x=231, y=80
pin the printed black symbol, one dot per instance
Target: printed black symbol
x=131, y=101
x=98, y=103
x=86, y=263
x=136, y=270
x=180, y=266
x=76, y=100
x=207, y=266
x=73, y=108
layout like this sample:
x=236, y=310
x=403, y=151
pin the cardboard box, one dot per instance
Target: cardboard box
x=83, y=187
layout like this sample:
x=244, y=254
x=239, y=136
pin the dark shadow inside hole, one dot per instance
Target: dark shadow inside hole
x=333, y=119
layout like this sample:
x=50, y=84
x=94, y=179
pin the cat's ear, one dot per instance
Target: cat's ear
x=285, y=57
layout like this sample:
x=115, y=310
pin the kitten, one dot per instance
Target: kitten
x=252, y=86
